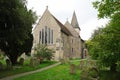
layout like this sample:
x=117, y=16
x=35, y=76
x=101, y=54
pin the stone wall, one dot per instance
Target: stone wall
x=48, y=20
x=66, y=45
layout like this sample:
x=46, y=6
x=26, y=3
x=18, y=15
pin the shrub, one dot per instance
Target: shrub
x=42, y=52
x=118, y=66
x=93, y=72
x=2, y=54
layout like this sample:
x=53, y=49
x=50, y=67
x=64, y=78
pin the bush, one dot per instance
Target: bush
x=42, y=52
x=2, y=54
x=118, y=66
x=93, y=72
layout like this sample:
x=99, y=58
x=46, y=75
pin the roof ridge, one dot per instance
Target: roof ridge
x=63, y=28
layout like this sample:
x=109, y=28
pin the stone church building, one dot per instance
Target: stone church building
x=64, y=39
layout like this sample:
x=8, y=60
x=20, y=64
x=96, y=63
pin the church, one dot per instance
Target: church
x=64, y=39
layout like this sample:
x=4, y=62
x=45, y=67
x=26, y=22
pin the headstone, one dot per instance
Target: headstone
x=40, y=59
x=34, y=62
x=21, y=61
x=1, y=66
x=72, y=69
x=81, y=64
x=62, y=61
x=8, y=64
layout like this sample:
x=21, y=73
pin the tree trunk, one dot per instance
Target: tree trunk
x=113, y=67
x=13, y=59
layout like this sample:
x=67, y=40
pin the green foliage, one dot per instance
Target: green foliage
x=15, y=28
x=89, y=69
x=43, y=52
x=2, y=54
x=107, y=40
x=104, y=46
x=93, y=48
x=93, y=72
x=107, y=8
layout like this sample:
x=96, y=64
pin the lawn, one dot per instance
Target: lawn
x=22, y=69
x=60, y=72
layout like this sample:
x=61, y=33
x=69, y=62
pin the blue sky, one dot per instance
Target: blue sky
x=63, y=10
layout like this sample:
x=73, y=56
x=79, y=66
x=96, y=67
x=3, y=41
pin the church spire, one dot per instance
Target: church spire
x=74, y=21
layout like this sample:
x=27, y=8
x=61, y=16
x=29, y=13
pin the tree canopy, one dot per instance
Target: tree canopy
x=105, y=42
x=15, y=28
x=107, y=8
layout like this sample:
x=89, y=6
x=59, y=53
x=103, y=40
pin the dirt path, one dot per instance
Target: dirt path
x=27, y=73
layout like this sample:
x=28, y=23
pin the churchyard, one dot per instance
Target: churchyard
x=16, y=38
x=6, y=69
x=75, y=70
x=78, y=69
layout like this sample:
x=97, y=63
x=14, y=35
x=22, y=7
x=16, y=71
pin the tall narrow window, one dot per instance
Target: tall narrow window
x=52, y=36
x=45, y=34
x=42, y=36
x=49, y=36
x=72, y=50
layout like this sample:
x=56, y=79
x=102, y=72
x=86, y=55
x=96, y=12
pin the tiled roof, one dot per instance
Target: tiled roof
x=63, y=28
x=71, y=29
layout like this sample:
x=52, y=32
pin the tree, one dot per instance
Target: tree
x=107, y=8
x=104, y=46
x=108, y=38
x=15, y=28
x=42, y=52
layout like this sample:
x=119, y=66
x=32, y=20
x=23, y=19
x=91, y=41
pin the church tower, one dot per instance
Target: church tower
x=74, y=23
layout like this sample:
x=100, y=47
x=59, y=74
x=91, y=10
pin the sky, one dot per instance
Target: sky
x=63, y=11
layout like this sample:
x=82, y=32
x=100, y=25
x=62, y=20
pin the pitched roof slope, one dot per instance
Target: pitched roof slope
x=63, y=28
x=71, y=29
x=74, y=21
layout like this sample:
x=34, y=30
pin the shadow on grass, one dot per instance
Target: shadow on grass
x=23, y=68
x=108, y=75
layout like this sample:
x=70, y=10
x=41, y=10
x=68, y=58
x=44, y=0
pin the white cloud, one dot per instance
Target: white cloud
x=88, y=28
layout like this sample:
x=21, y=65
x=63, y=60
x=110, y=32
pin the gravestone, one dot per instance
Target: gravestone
x=1, y=66
x=62, y=61
x=81, y=64
x=21, y=62
x=8, y=64
x=34, y=62
x=72, y=69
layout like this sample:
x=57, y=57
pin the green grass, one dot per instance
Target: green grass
x=22, y=69
x=76, y=62
x=60, y=72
